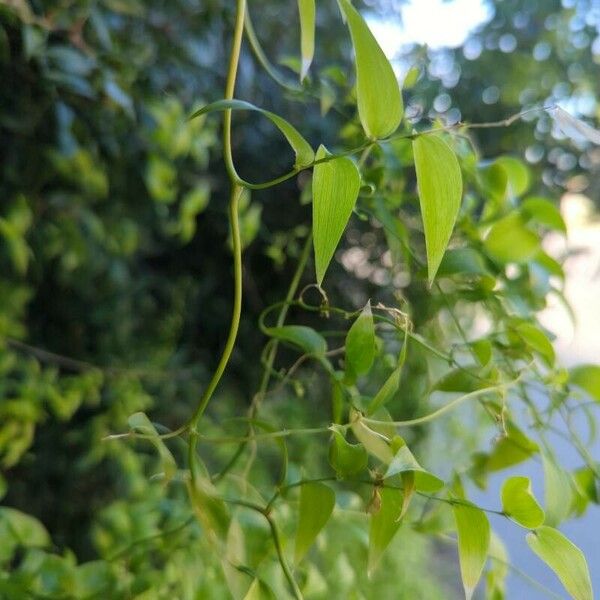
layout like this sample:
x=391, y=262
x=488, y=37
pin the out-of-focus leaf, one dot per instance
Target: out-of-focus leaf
x=305, y=338
x=574, y=128
x=440, y=190
x=510, y=241
x=587, y=377
x=558, y=491
x=517, y=173
x=316, y=505
x=544, y=212
x=565, y=559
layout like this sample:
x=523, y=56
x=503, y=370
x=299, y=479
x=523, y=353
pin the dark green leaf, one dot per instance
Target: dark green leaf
x=305, y=338
x=347, y=459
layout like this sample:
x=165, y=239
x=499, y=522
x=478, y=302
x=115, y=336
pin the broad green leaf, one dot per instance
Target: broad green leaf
x=387, y=390
x=463, y=261
x=565, y=559
x=360, y=345
x=510, y=241
x=519, y=503
x=440, y=190
x=305, y=338
x=544, y=212
x=558, y=491
x=304, y=153
x=587, y=377
x=375, y=443
x=517, y=173
x=316, y=505
x=378, y=95
x=384, y=524
x=473, y=529
x=140, y=423
x=347, y=459
x=211, y=511
x=335, y=184
x=306, y=8
x=405, y=462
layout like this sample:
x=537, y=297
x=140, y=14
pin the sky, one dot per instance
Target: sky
x=437, y=23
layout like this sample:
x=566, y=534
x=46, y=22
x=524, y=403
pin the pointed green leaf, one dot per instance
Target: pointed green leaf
x=336, y=184
x=565, y=559
x=519, y=503
x=587, y=377
x=473, y=531
x=316, y=504
x=405, y=462
x=384, y=525
x=305, y=338
x=304, y=153
x=306, y=8
x=140, y=423
x=347, y=459
x=379, y=99
x=360, y=344
x=440, y=190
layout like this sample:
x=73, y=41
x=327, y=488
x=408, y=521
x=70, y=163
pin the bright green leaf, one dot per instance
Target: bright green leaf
x=519, y=503
x=374, y=442
x=544, y=212
x=360, y=344
x=384, y=524
x=510, y=241
x=473, y=531
x=379, y=99
x=304, y=153
x=565, y=559
x=306, y=8
x=587, y=377
x=517, y=173
x=316, y=505
x=440, y=190
x=347, y=459
x=305, y=338
x=336, y=184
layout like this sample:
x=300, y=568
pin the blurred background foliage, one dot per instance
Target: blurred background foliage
x=115, y=287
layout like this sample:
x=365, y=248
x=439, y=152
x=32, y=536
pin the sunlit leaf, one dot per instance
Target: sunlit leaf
x=302, y=149
x=379, y=99
x=440, y=190
x=519, y=503
x=565, y=559
x=384, y=524
x=336, y=184
x=316, y=504
x=473, y=531
x=360, y=344
x=306, y=8
x=518, y=174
